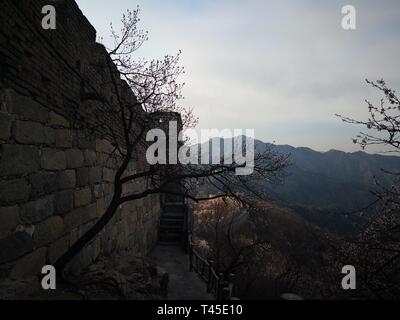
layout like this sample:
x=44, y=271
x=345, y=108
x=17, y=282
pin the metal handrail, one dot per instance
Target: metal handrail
x=216, y=283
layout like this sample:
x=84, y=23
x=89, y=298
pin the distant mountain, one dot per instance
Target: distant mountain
x=331, y=180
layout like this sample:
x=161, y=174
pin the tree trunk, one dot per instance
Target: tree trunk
x=62, y=261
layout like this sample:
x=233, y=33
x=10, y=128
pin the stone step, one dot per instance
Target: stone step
x=172, y=215
x=173, y=237
x=173, y=198
x=170, y=243
x=174, y=221
x=171, y=229
x=181, y=208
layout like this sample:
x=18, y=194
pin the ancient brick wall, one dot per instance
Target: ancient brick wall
x=54, y=181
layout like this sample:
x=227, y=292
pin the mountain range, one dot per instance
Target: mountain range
x=332, y=179
x=323, y=187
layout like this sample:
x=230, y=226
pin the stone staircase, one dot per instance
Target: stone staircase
x=172, y=229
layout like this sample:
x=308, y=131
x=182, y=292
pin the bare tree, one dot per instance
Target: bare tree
x=236, y=240
x=124, y=119
x=226, y=225
x=377, y=248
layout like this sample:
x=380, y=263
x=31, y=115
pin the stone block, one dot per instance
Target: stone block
x=95, y=174
x=90, y=157
x=56, y=120
x=97, y=248
x=43, y=182
x=98, y=191
x=48, y=231
x=63, y=201
x=6, y=100
x=104, y=146
x=29, y=109
x=73, y=234
x=86, y=256
x=49, y=136
x=15, y=246
x=82, y=197
x=108, y=175
x=14, y=191
x=78, y=217
x=85, y=140
x=29, y=265
x=63, y=138
x=53, y=159
x=108, y=188
x=101, y=206
x=5, y=126
x=28, y=132
x=18, y=159
x=82, y=177
x=75, y=158
x=9, y=219
x=37, y=210
x=66, y=179
x=57, y=248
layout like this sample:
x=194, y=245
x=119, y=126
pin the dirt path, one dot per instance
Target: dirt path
x=183, y=284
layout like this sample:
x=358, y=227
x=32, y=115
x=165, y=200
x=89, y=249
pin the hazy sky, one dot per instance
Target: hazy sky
x=281, y=67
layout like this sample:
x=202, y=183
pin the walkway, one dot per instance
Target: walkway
x=183, y=284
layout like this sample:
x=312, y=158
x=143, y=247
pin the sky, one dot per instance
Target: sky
x=283, y=68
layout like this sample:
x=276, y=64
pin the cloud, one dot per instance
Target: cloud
x=270, y=65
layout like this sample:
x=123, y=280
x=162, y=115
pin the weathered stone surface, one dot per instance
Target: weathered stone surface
x=43, y=119
x=28, y=132
x=15, y=246
x=43, y=182
x=85, y=142
x=73, y=219
x=63, y=138
x=73, y=234
x=86, y=256
x=82, y=197
x=9, y=219
x=18, y=159
x=29, y=109
x=57, y=248
x=5, y=126
x=14, y=191
x=98, y=191
x=104, y=146
x=97, y=248
x=79, y=216
x=74, y=158
x=90, y=157
x=66, y=179
x=49, y=136
x=87, y=224
x=6, y=100
x=56, y=120
x=53, y=159
x=48, y=231
x=63, y=201
x=29, y=265
x=108, y=175
x=101, y=207
x=37, y=210
x=82, y=177
x=95, y=175
x=108, y=188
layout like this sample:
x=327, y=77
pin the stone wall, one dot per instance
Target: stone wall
x=55, y=181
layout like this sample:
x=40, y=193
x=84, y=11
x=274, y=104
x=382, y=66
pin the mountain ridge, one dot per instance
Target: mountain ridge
x=334, y=178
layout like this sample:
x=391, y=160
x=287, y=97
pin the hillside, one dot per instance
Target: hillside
x=328, y=180
x=322, y=187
